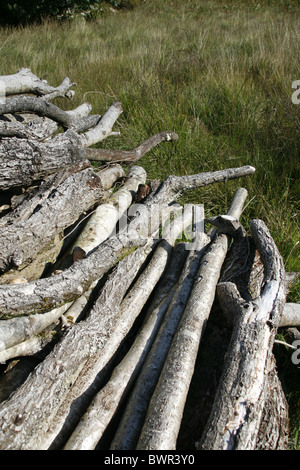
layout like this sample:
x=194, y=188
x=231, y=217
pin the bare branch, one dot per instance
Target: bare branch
x=107, y=155
x=26, y=82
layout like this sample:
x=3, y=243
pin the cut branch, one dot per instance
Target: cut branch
x=26, y=82
x=103, y=221
x=290, y=315
x=173, y=186
x=24, y=161
x=104, y=127
x=162, y=424
x=51, y=381
x=30, y=104
x=89, y=336
x=236, y=416
x=106, y=402
x=21, y=329
x=107, y=155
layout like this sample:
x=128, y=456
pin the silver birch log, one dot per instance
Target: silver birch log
x=46, y=294
x=133, y=417
x=290, y=315
x=237, y=413
x=126, y=314
x=164, y=415
x=23, y=424
x=103, y=221
x=19, y=330
x=29, y=104
x=26, y=348
x=25, y=81
x=57, y=375
x=98, y=229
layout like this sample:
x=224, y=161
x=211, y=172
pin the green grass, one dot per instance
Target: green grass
x=217, y=73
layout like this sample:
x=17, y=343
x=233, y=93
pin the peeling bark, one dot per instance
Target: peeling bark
x=59, y=202
x=235, y=420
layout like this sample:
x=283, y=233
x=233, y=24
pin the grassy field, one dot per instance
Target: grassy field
x=217, y=73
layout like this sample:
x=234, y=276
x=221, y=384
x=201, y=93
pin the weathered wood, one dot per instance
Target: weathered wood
x=89, y=336
x=18, y=330
x=103, y=221
x=25, y=81
x=132, y=420
x=107, y=155
x=55, y=206
x=162, y=422
x=39, y=129
x=95, y=420
x=49, y=293
x=274, y=427
x=104, y=127
x=98, y=228
x=128, y=312
x=290, y=315
x=173, y=186
x=236, y=416
x=23, y=424
x=30, y=104
x=163, y=352
x=24, y=161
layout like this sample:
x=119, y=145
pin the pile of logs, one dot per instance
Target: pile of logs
x=112, y=293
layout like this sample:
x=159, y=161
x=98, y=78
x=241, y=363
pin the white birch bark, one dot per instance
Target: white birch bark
x=25, y=81
x=164, y=415
x=131, y=423
x=126, y=314
x=103, y=129
x=19, y=330
x=52, y=380
x=95, y=420
x=173, y=186
x=235, y=419
x=290, y=315
x=103, y=221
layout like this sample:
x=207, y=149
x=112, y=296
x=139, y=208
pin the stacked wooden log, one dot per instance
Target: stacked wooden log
x=104, y=308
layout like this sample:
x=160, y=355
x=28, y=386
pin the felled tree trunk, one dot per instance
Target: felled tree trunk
x=106, y=323
x=161, y=426
x=59, y=201
x=236, y=417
